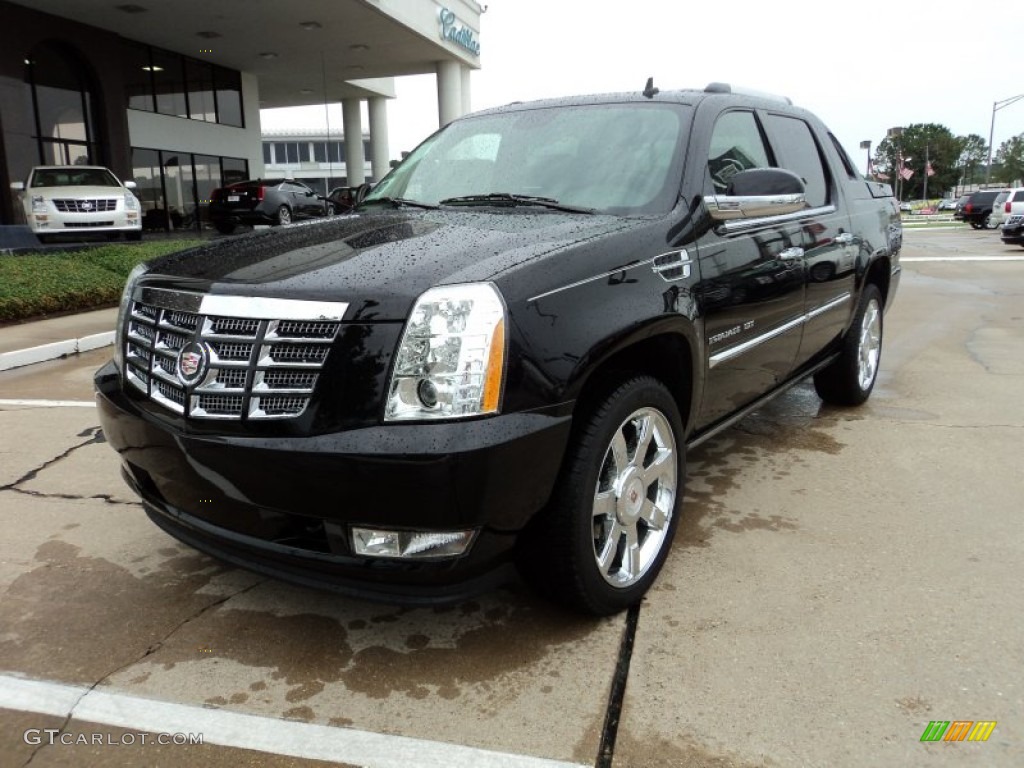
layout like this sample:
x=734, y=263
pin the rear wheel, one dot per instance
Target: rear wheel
x=986, y=222
x=850, y=379
x=605, y=535
x=284, y=215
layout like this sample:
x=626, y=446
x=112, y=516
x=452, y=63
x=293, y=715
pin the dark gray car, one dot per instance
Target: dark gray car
x=263, y=201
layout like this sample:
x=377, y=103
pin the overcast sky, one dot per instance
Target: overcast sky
x=862, y=67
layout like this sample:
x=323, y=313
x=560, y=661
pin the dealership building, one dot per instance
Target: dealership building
x=169, y=94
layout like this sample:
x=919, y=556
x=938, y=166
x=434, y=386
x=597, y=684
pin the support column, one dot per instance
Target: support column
x=449, y=91
x=467, y=105
x=379, y=137
x=355, y=160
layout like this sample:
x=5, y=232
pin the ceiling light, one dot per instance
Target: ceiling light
x=306, y=91
x=153, y=69
x=359, y=47
x=268, y=55
x=310, y=24
x=208, y=34
x=131, y=8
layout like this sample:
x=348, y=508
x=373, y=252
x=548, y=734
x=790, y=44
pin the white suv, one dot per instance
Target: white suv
x=1007, y=204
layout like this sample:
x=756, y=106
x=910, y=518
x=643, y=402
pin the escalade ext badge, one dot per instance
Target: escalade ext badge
x=253, y=399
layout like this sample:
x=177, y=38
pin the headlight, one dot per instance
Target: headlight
x=131, y=203
x=122, y=310
x=452, y=357
x=38, y=204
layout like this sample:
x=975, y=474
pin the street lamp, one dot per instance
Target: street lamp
x=867, y=145
x=895, y=134
x=996, y=106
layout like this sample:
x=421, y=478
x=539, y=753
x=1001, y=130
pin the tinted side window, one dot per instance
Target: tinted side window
x=736, y=145
x=798, y=152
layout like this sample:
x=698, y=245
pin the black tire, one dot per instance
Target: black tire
x=224, y=227
x=602, y=562
x=284, y=216
x=976, y=225
x=850, y=379
x=986, y=222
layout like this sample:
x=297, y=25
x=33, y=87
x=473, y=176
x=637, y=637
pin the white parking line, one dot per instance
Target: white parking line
x=263, y=734
x=962, y=258
x=49, y=403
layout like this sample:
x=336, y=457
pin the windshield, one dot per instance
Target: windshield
x=613, y=158
x=73, y=177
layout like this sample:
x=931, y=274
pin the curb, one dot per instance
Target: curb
x=57, y=349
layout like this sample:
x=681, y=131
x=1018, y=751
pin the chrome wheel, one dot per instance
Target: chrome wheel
x=870, y=346
x=284, y=215
x=635, y=497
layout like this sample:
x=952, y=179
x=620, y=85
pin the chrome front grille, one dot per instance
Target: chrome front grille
x=254, y=365
x=71, y=205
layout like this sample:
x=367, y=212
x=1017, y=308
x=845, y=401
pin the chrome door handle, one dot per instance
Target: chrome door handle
x=796, y=252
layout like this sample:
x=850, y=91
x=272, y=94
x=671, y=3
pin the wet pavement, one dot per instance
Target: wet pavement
x=840, y=579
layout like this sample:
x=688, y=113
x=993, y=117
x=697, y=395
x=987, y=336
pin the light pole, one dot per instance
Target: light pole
x=867, y=145
x=996, y=106
x=895, y=134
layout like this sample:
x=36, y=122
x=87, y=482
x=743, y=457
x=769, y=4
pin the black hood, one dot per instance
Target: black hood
x=378, y=262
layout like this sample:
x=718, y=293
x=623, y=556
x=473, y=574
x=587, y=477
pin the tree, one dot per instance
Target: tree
x=973, y=154
x=1011, y=159
x=919, y=143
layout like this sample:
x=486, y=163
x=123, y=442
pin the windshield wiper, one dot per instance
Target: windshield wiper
x=399, y=202
x=507, y=198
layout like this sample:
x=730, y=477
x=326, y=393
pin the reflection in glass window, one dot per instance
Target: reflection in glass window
x=736, y=145
x=229, y=97
x=149, y=189
x=798, y=152
x=138, y=78
x=62, y=106
x=169, y=81
x=199, y=76
x=234, y=169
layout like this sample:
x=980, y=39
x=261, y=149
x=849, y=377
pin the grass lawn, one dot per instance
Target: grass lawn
x=38, y=284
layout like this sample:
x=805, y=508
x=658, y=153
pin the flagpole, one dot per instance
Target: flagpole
x=927, y=166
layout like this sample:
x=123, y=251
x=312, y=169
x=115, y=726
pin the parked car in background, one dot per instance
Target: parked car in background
x=340, y=200
x=997, y=217
x=1013, y=229
x=977, y=211
x=905, y=208
x=949, y=204
x=78, y=199
x=958, y=209
x=263, y=201
x=1014, y=202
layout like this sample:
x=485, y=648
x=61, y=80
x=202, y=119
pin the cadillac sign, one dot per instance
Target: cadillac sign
x=461, y=35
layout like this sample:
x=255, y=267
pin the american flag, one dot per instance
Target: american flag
x=928, y=169
x=906, y=173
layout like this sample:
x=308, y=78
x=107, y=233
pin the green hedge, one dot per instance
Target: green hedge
x=43, y=283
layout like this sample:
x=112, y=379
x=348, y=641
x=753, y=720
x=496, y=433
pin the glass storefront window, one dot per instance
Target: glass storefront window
x=149, y=189
x=199, y=77
x=266, y=153
x=207, y=179
x=169, y=82
x=61, y=106
x=138, y=77
x=229, y=97
x=234, y=169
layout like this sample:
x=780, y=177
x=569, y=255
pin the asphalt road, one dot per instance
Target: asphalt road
x=841, y=579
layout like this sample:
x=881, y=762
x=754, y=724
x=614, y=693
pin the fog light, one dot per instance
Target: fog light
x=418, y=545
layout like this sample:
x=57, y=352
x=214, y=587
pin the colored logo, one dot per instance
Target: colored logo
x=462, y=36
x=958, y=730
x=193, y=361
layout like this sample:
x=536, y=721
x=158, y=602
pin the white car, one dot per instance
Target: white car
x=78, y=199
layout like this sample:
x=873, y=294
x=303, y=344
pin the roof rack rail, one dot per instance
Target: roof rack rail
x=726, y=88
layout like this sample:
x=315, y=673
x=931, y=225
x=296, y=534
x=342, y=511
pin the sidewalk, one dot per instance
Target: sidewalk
x=36, y=342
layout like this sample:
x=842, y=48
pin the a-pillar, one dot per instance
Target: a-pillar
x=355, y=160
x=379, y=137
x=449, y=91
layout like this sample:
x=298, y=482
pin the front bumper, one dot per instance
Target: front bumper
x=284, y=505
x=55, y=223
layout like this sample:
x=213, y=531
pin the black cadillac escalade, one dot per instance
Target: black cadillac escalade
x=500, y=356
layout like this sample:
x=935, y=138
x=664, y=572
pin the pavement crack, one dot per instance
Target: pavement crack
x=105, y=497
x=150, y=650
x=606, y=751
x=95, y=436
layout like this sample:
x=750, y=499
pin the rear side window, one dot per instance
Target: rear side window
x=797, y=151
x=1018, y=196
x=736, y=145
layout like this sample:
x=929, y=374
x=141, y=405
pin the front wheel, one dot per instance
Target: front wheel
x=851, y=377
x=284, y=215
x=605, y=535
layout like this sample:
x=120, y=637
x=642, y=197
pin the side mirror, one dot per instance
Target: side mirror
x=361, y=191
x=130, y=185
x=757, y=193
x=18, y=186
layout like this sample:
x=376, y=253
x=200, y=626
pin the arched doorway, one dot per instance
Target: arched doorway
x=64, y=105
